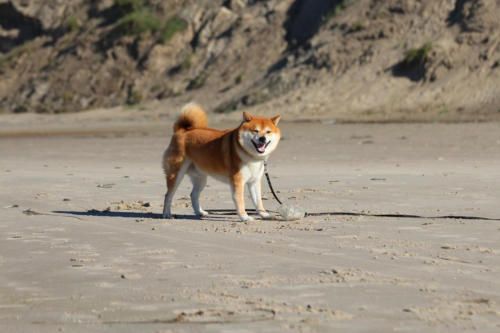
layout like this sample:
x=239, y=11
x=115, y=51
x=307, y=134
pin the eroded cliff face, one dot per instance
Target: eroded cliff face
x=384, y=59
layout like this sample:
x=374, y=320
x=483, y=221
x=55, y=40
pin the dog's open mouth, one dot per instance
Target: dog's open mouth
x=261, y=147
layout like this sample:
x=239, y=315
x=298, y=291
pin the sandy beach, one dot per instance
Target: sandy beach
x=403, y=235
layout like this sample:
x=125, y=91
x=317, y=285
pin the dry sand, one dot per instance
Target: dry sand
x=82, y=248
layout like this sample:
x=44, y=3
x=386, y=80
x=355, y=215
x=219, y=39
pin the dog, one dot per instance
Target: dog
x=235, y=156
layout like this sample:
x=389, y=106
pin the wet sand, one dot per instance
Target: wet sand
x=403, y=235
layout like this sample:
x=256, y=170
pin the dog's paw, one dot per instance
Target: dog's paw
x=246, y=218
x=201, y=213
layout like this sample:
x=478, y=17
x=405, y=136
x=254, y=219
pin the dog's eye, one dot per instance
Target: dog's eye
x=268, y=132
x=254, y=131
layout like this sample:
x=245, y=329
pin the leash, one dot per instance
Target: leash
x=269, y=183
x=287, y=211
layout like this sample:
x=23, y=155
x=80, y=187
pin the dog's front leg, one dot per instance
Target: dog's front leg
x=237, y=188
x=256, y=194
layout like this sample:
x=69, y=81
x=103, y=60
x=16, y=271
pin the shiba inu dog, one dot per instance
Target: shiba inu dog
x=235, y=156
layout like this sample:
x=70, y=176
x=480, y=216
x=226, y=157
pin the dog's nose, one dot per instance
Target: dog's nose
x=262, y=139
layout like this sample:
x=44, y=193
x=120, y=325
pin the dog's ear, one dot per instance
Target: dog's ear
x=276, y=119
x=246, y=116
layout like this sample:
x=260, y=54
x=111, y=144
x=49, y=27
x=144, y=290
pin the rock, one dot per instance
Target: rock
x=223, y=21
x=237, y=5
x=476, y=16
x=50, y=13
x=220, y=23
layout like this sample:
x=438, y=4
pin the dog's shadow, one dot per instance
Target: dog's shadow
x=214, y=214
x=229, y=215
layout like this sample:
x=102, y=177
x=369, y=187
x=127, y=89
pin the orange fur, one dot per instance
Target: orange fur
x=192, y=116
x=229, y=155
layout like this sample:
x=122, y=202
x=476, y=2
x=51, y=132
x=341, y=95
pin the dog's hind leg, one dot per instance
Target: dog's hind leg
x=199, y=181
x=175, y=173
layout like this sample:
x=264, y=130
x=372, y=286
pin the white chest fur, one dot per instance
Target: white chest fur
x=252, y=171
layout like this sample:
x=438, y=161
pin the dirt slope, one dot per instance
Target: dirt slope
x=362, y=60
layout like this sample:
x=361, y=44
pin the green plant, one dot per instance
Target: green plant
x=134, y=98
x=172, y=26
x=156, y=87
x=357, y=26
x=72, y=24
x=67, y=97
x=186, y=63
x=239, y=79
x=198, y=81
x=336, y=10
x=10, y=58
x=129, y=6
x=418, y=56
x=380, y=13
x=138, y=22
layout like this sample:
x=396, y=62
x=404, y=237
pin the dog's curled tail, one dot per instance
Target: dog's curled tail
x=192, y=116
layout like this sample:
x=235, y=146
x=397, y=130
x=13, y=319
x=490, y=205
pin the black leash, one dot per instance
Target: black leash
x=269, y=183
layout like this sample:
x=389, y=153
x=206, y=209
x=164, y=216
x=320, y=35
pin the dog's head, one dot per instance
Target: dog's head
x=259, y=136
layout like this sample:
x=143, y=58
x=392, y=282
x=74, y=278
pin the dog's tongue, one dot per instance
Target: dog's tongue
x=261, y=148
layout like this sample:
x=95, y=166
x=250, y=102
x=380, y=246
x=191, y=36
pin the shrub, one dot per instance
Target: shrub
x=186, y=63
x=416, y=57
x=134, y=98
x=72, y=24
x=357, y=26
x=239, y=79
x=138, y=22
x=10, y=58
x=129, y=6
x=198, y=81
x=173, y=25
x=336, y=10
